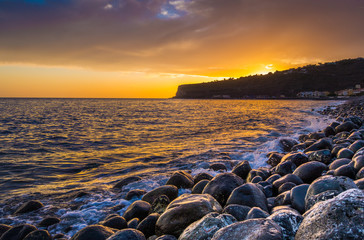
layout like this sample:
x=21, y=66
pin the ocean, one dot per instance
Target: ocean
x=53, y=148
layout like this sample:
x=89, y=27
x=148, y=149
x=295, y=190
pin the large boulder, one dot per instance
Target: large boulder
x=249, y=195
x=18, y=232
x=93, y=232
x=308, y=172
x=252, y=229
x=339, y=218
x=325, y=188
x=138, y=209
x=185, y=210
x=206, y=227
x=127, y=234
x=221, y=186
x=170, y=191
x=288, y=220
x=181, y=179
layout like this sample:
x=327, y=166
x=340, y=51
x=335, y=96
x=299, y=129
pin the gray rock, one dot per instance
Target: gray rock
x=298, y=195
x=49, y=221
x=256, y=212
x=338, y=163
x=285, y=187
x=297, y=158
x=199, y=187
x=355, y=146
x=358, y=162
x=238, y=211
x=115, y=222
x=308, y=172
x=285, y=168
x=272, y=178
x=138, y=209
x=160, y=204
x=324, y=143
x=221, y=186
x=166, y=237
x=38, y=235
x=4, y=228
x=135, y=193
x=133, y=223
x=360, y=173
x=323, y=156
x=242, y=169
x=181, y=179
x=127, y=234
x=339, y=218
x=289, y=221
x=360, y=183
x=170, y=191
x=345, y=153
x=326, y=187
x=202, y=176
x=249, y=195
x=288, y=178
x=274, y=158
x=206, y=227
x=218, y=167
x=345, y=170
x=283, y=199
x=29, y=207
x=185, y=210
x=253, y=229
x=147, y=226
x=93, y=232
x=286, y=144
x=346, y=127
x=18, y=232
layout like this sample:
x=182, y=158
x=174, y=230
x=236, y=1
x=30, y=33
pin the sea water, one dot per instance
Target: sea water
x=50, y=149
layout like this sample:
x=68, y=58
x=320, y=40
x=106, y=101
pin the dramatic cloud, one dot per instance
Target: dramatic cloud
x=211, y=37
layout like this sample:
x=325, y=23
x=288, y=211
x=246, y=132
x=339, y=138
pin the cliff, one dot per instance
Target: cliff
x=330, y=77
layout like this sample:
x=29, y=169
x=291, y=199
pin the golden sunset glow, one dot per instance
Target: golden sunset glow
x=145, y=48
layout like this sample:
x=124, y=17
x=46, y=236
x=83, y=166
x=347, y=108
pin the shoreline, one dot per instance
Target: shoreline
x=254, y=182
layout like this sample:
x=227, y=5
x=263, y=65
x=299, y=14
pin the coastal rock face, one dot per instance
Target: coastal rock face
x=249, y=195
x=206, y=227
x=221, y=186
x=29, y=207
x=257, y=229
x=93, y=232
x=327, y=187
x=170, y=191
x=185, y=210
x=181, y=179
x=18, y=232
x=288, y=220
x=125, y=234
x=339, y=218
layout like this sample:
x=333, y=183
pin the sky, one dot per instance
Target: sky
x=146, y=48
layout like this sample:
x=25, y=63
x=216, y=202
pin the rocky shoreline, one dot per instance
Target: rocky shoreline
x=314, y=190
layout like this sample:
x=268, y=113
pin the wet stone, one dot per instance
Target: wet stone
x=38, y=235
x=323, y=156
x=93, y=232
x=338, y=163
x=133, y=223
x=286, y=187
x=202, y=176
x=135, y=193
x=166, y=237
x=30, y=206
x=127, y=234
x=160, y=204
x=49, y=221
x=198, y=188
x=285, y=168
x=221, y=186
x=181, y=179
x=345, y=153
x=238, y=211
x=345, y=170
x=287, y=178
x=218, y=167
x=18, y=232
x=289, y=221
x=298, y=195
x=249, y=195
x=308, y=172
x=138, y=209
x=116, y=222
x=170, y=191
x=297, y=158
x=147, y=226
x=256, y=212
x=4, y=228
x=126, y=181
